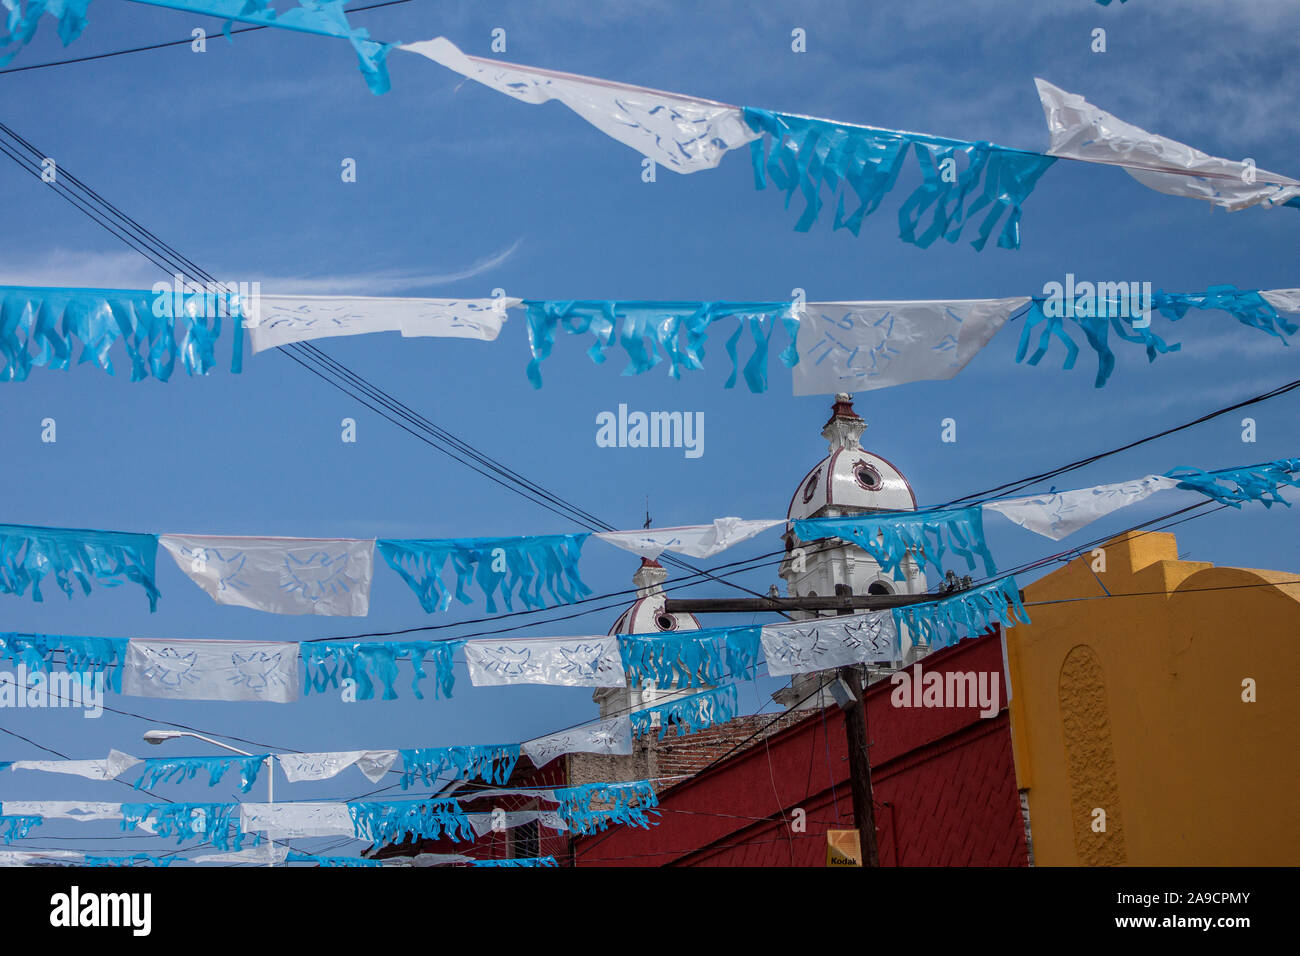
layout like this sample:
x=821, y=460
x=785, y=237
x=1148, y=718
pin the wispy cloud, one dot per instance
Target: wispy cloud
x=130, y=270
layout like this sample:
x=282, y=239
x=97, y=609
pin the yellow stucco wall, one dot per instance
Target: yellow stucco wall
x=1134, y=704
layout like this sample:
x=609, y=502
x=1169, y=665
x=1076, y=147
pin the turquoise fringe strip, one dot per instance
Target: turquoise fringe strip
x=25, y=15
x=529, y=563
x=690, y=658
x=180, y=769
x=215, y=823
x=28, y=555
x=689, y=714
x=326, y=663
x=889, y=536
x=1246, y=306
x=649, y=332
x=16, y=828
x=491, y=764
x=44, y=327
x=83, y=656
x=969, y=612
x=1234, y=486
x=804, y=154
x=629, y=803
x=396, y=822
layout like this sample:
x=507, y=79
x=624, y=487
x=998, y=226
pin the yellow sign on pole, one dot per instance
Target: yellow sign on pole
x=843, y=848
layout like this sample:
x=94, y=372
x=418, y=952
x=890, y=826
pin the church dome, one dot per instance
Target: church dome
x=647, y=615
x=849, y=479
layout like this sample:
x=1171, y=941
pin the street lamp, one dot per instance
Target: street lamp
x=156, y=737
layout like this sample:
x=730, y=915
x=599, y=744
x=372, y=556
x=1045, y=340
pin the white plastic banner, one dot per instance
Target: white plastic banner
x=264, y=854
x=1284, y=300
x=826, y=643
x=508, y=819
x=564, y=662
x=211, y=670
x=329, y=576
x=678, y=132
x=1062, y=513
x=67, y=810
x=859, y=346
x=373, y=763
x=282, y=319
x=291, y=820
x=610, y=736
x=108, y=769
x=1080, y=130
x=24, y=857
x=697, y=541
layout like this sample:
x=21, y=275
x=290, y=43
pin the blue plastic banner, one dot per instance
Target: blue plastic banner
x=75, y=557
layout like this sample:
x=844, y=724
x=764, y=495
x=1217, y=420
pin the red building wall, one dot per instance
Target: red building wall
x=943, y=779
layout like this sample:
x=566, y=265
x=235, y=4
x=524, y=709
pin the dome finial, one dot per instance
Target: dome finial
x=845, y=426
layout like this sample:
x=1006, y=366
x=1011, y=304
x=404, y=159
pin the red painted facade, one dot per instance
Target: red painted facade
x=943, y=779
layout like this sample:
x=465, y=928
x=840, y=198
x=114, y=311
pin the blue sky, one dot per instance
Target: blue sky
x=233, y=156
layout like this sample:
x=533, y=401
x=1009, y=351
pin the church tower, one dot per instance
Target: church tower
x=848, y=481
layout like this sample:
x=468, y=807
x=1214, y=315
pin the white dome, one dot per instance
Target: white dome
x=646, y=615
x=850, y=477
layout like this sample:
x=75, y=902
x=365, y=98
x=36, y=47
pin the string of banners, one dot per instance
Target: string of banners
x=229, y=827
x=980, y=184
x=269, y=853
x=332, y=576
x=832, y=346
x=187, y=669
x=432, y=766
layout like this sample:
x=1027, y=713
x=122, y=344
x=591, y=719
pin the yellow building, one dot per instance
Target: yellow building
x=1173, y=705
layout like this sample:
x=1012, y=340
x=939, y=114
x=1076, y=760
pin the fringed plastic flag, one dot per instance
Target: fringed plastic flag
x=1081, y=131
x=25, y=15
x=322, y=766
x=113, y=766
x=491, y=764
x=396, y=822
x=181, y=769
x=215, y=823
x=369, y=663
x=696, y=541
x=322, y=17
x=681, y=133
x=65, y=810
x=961, y=180
x=267, y=853
x=84, y=658
x=858, y=346
x=972, y=612
x=331, y=861
x=594, y=806
x=282, y=319
x=296, y=820
x=1234, y=486
x=689, y=658
x=610, y=737
x=890, y=536
x=801, y=647
x=75, y=558
x=43, y=328
x=688, y=714
x=519, y=861
x=39, y=857
x=1058, y=514
x=212, y=670
x=530, y=564
x=16, y=828
x=328, y=576
x=498, y=820
x=649, y=332
x=563, y=662
x=1098, y=308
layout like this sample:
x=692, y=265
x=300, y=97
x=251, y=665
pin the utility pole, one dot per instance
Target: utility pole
x=855, y=708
